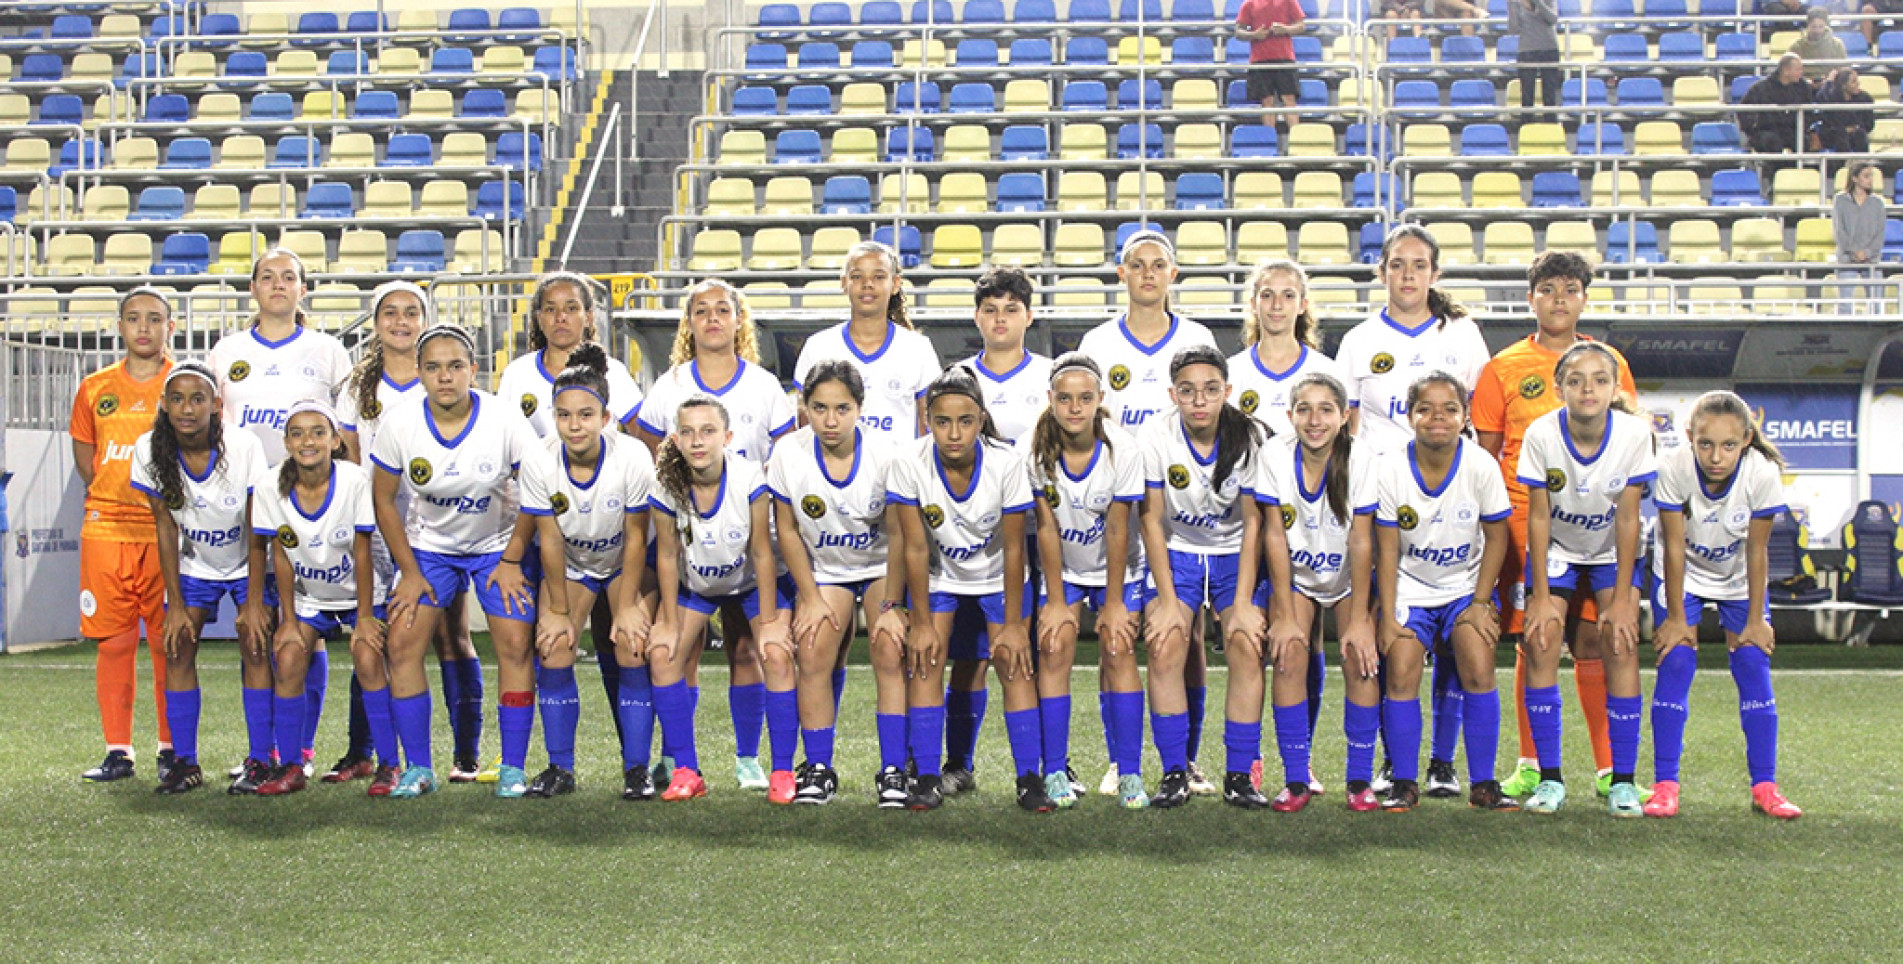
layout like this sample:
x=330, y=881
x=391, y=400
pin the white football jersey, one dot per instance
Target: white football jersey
x=1265, y=394
x=1199, y=517
x=1716, y=524
x=1381, y=359
x=1015, y=398
x=967, y=543
x=211, y=536
x=1584, y=490
x=714, y=545
x=592, y=515
x=1136, y=376
x=841, y=521
x=322, y=543
x=896, y=376
x=1441, y=534
x=390, y=396
x=1081, y=505
x=757, y=407
x=260, y=380
x=1317, y=539
x=463, y=489
x=527, y=384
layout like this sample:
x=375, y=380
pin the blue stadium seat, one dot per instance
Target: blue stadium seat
x=1739, y=86
x=876, y=54
x=1600, y=139
x=1192, y=50
x=75, y=155
x=1736, y=46
x=1681, y=45
x=484, y=102
x=797, y=145
x=1309, y=92
x=1556, y=189
x=1149, y=11
x=915, y=142
x=1716, y=137
x=517, y=151
x=1133, y=94
x=1898, y=184
x=171, y=26
x=984, y=11
x=42, y=68
x=1739, y=187
x=933, y=11
x=766, y=57
x=376, y=105
x=1139, y=140
x=1370, y=238
x=1875, y=576
x=1484, y=140
x=777, y=20
x=809, y=99
x=1890, y=45
x=315, y=29
x=906, y=243
x=1592, y=95
x=247, y=64
x=328, y=199
x=163, y=202
x=914, y=97
x=1570, y=9
x=139, y=67
x=366, y=21
x=187, y=252
x=347, y=63
x=1084, y=95
x=220, y=29
x=846, y=194
x=1614, y=8
x=296, y=150
x=1192, y=10
x=1231, y=8
x=973, y=98
x=408, y=150
x=1417, y=94
x=1644, y=243
x=1235, y=51
x=1354, y=142
x=1893, y=240
x=1034, y=11
x=167, y=109
x=1640, y=92
x=1089, y=11
x=490, y=197
x=1237, y=95
x=187, y=154
x=1363, y=188
x=555, y=63
x=876, y=13
x=1031, y=52
x=1199, y=191
x=976, y=52
x=72, y=26
x=819, y=55
x=61, y=109
x=1855, y=46
x=1473, y=93
x=829, y=14
x=452, y=60
x=1308, y=50
x=519, y=18
x=1463, y=50
x=1024, y=142
x=1021, y=192
x=466, y=19
x=272, y=106
x=1506, y=49
x=1626, y=47
x=420, y=250
x=1253, y=140
x=1666, y=8
x=1410, y=51
x=1086, y=51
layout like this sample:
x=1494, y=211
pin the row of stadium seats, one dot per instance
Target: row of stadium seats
x=784, y=19
x=247, y=67
x=314, y=28
x=220, y=202
x=536, y=104
x=510, y=149
x=356, y=251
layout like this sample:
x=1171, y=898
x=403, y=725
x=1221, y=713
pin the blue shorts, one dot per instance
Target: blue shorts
x=1733, y=614
x=1208, y=579
x=448, y=575
x=1136, y=595
x=209, y=594
x=749, y=601
x=330, y=622
x=858, y=588
x=1435, y=624
x=593, y=585
x=1598, y=578
x=973, y=616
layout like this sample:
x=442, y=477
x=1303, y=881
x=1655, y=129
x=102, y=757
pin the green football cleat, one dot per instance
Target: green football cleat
x=1057, y=787
x=1524, y=780
x=511, y=782
x=1548, y=797
x=415, y=782
x=746, y=769
x=1603, y=787
x=1130, y=791
x=1622, y=800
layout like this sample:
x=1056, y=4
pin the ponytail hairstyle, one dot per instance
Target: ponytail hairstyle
x=287, y=473
x=1728, y=403
x=1237, y=435
x=1047, y=438
x=835, y=370
x=671, y=470
x=895, y=308
x=962, y=380
x=746, y=341
x=1143, y=237
x=588, y=371
x=1338, y=453
x=303, y=280
x=1306, y=330
x=165, y=448
x=367, y=376
x=1580, y=350
x=589, y=301
x=1439, y=304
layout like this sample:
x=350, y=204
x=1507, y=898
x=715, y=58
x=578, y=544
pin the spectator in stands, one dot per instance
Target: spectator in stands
x=1818, y=44
x=1790, y=12
x=1426, y=10
x=1857, y=218
x=1532, y=21
x=1269, y=25
x=1875, y=7
x=1775, y=131
x=1845, y=130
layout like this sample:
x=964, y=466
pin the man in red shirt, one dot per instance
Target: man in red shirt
x=1269, y=25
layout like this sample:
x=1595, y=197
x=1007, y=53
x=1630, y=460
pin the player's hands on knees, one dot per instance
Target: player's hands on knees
x=409, y=594
x=1167, y=617
x=1358, y=651
x=631, y=628
x=1622, y=625
x=1286, y=639
x=369, y=636
x=1394, y=634
x=1116, y=628
x=924, y=650
x=811, y=616
x=177, y=631
x=1052, y=618
x=1671, y=634
x=554, y=633
x=1244, y=627
x=890, y=626
x=1758, y=633
x=288, y=636
x=254, y=627
x=517, y=595
x=1011, y=652
x=776, y=633
x=1482, y=618
x=660, y=642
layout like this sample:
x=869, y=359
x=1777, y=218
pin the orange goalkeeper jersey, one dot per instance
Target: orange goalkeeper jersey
x=110, y=412
x=1516, y=387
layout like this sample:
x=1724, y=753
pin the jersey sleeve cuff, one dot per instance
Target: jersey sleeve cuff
x=898, y=499
x=642, y=423
x=634, y=415
x=1769, y=511
x=757, y=492
x=536, y=511
x=346, y=426
x=1364, y=510
x=1267, y=498
x=1387, y=523
x=1664, y=506
x=1152, y=483
x=1530, y=482
x=367, y=530
x=659, y=506
x=145, y=489
x=783, y=429
x=1500, y=516
x=1128, y=498
x=1647, y=478
x=267, y=533
x=385, y=466
x=1020, y=508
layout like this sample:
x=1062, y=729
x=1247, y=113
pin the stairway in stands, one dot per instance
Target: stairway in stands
x=607, y=243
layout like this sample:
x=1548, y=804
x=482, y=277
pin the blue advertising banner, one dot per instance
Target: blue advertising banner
x=1813, y=424
x=1678, y=352
x=1888, y=489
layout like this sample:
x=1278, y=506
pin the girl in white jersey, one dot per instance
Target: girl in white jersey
x=457, y=454
x=715, y=546
x=1585, y=468
x=197, y=478
x=836, y=535
x=588, y=493
x=1717, y=498
x=316, y=510
x=896, y=362
x=565, y=310
x=1015, y=379
x=1318, y=537
x=1200, y=516
x=716, y=353
x=963, y=495
x=1088, y=477
x=1439, y=539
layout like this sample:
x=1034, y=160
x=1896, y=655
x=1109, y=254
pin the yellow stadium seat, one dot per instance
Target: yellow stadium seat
x=1140, y=192
x=1327, y=301
x=1758, y=239
x=1342, y=51
x=1083, y=142
x=1677, y=189
x=1456, y=240
x=1781, y=40
x=1202, y=243
x=217, y=202
x=1204, y=292
x=362, y=251
x=716, y=249
x=963, y=192
x=788, y=196
x=1658, y=137
x=1317, y=189
x=1257, y=241
x=1578, y=237
x=48, y=202
x=1627, y=183
x=444, y=199
x=29, y=154
x=393, y=199
x=1256, y=190
x=537, y=106
x=1078, y=246
x=432, y=103
x=830, y=245
x=913, y=51
x=335, y=304
x=15, y=110
x=324, y=105
x=352, y=149
x=862, y=98
x=222, y=107
x=1078, y=293
x=296, y=64
x=399, y=61
x=69, y=255
x=1579, y=48
x=967, y=144
x=308, y=246
x=947, y=293
x=1200, y=142
x=272, y=200
x=1081, y=191
x=1797, y=187
x=776, y=249
x=1351, y=92
x=265, y=22
x=90, y=68
x=823, y=294
x=106, y=202
x=1471, y=294
x=1133, y=50
x=1018, y=244
x=1194, y=93
x=730, y=197
x=505, y=59
x=470, y=256
x=411, y=19
x=1027, y=95
x=1508, y=242
x=1323, y=243
x=194, y=65
x=1691, y=91
x=957, y=246
x=1542, y=140
x=1435, y=189
x=910, y=195
x=33, y=309
x=1694, y=241
x=767, y=295
x=1713, y=296
x=241, y=152
x=1427, y=140
x=736, y=147
x=238, y=250
x=854, y=145
x=1781, y=295
x=92, y=308
x=1877, y=86
x=1816, y=242
x=1497, y=189
x=1310, y=140
x=112, y=108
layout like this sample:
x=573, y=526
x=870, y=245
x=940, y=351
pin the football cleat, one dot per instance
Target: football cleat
x=684, y=784
x=116, y=766
x=1402, y=796
x=552, y=782
x=383, y=781
x=350, y=767
x=1130, y=792
x=256, y=772
x=1239, y=790
x=511, y=782
x=781, y=785
x=1525, y=780
x=1664, y=802
x=167, y=758
x=1603, y=786
x=662, y=769
x=958, y=780
x=289, y=778
x=1315, y=787
x=1199, y=784
x=637, y=784
x=491, y=773
x=1442, y=784
x=465, y=769
x=1077, y=788
x=1548, y=796
x=1363, y=800
x=1058, y=787
x=1292, y=799
x=892, y=787
x=1255, y=773
x=1766, y=800
x=1486, y=795
x=927, y=793
x=1623, y=801
x=183, y=777
x=818, y=785
x=415, y=782
x=1173, y=791
x=1383, y=779
x=748, y=773
x=1031, y=795
x=1112, y=783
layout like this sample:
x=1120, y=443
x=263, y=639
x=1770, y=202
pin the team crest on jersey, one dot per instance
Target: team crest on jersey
x=1119, y=377
x=1288, y=516
x=1249, y=401
x=528, y=404
x=1050, y=494
x=934, y=516
x=1381, y=363
x=1407, y=518
x=240, y=370
x=1532, y=386
x=558, y=503
x=372, y=408
x=420, y=471
x=1179, y=477
x=107, y=405
x=813, y=506
x=1555, y=480
x=287, y=537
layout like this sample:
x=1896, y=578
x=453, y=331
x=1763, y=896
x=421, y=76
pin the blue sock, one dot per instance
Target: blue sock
x=746, y=702
x=452, y=700
x=964, y=713
x=1021, y=726
x=257, y=723
x=559, y=699
x=819, y=745
x=316, y=683
x=382, y=727
x=1543, y=722
x=1447, y=709
x=1105, y=712
x=181, y=714
x=1622, y=731
x=892, y=739
x=1360, y=724
x=1291, y=740
x=839, y=690
x=411, y=715
x=1126, y=715
x=783, y=727
x=1193, y=740
x=1757, y=712
x=287, y=722
x=1317, y=680
x=674, y=705
x=1481, y=721
x=1171, y=732
x=925, y=734
x=1243, y=741
x=1381, y=686
x=515, y=720
x=611, y=672
x=1054, y=719
x=467, y=715
x=1671, y=704
x=634, y=712
x=1401, y=721
x=362, y=744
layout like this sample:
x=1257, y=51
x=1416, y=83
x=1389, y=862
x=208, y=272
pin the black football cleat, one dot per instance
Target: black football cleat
x=927, y=793
x=637, y=784
x=1031, y=795
x=552, y=782
x=1173, y=791
x=184, y=776
x=116, y=766
x=1238, y=790
x=894, y=789
x=256, y=773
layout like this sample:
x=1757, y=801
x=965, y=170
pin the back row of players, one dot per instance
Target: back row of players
x=1275, y=483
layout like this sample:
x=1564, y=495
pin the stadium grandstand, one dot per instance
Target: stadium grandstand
x=471, y=148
